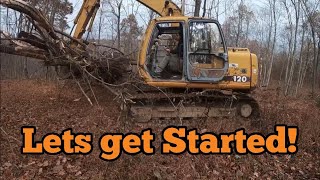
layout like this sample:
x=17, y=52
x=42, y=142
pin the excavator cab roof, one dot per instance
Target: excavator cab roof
x=183, y=18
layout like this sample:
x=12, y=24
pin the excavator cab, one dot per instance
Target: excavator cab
x=184, y=49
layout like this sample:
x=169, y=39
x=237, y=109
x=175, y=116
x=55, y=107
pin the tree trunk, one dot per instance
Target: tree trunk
x=118, y=32
x=100, y=25
x=204, y=8
x=293, y=63
x=293, y=59
x=317, y=64
x=239, y=30
x=151, y=16
x=183, y=6
x=274, y=42
x=25, y=68
x=313, y=33
x=197, y=8
x=307, y=63
x=217, y=10
x=300, y=62
x=288, y=60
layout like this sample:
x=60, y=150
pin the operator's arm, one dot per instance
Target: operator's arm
x=176, y=49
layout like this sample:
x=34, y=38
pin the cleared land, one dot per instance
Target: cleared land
x=53, y=107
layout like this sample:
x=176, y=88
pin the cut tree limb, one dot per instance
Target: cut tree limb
x=59, y=48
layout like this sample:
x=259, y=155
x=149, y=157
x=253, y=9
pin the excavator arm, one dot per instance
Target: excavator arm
x=85, y=17
x=89, y=8
x=162, y=7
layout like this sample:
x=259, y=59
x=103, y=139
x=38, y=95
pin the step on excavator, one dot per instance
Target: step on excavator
x=187, y=69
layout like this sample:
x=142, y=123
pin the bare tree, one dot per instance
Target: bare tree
x=297, y=6
x=240, y=20
x=204, y=8
x=116, y=6
x=311, y=15
x=183, y=6
x=300, y=60
x=101, y=18
x=197, y=8
x=273, y=23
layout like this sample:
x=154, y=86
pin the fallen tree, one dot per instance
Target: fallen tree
x=89, y=61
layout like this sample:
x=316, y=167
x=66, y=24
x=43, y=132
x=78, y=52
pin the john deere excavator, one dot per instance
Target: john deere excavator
x=200, y=78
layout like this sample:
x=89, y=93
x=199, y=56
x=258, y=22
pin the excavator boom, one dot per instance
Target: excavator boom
x=85, y=18
x=162, y=7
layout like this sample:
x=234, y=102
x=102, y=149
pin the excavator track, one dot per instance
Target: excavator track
x=197, y=105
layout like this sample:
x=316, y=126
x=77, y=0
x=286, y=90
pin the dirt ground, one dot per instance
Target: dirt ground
x=54, y=107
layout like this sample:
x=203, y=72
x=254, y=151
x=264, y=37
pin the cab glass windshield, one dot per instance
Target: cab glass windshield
x=205, y=38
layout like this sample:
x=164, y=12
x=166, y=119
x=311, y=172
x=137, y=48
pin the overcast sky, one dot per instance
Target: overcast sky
x=189, y=3
x=259, y=7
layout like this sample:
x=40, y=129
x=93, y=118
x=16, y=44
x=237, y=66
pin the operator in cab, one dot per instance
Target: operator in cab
x=172, y=57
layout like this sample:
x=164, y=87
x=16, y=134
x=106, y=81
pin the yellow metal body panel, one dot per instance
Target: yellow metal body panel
x=255, y=70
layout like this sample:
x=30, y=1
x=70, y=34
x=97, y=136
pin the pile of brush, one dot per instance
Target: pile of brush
x=56, y=48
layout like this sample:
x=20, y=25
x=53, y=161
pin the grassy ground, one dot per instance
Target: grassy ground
x=52, y=108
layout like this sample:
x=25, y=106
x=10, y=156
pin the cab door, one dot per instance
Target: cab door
x=207, y=58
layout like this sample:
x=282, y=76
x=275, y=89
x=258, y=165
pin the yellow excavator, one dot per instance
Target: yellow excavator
x=187, y=69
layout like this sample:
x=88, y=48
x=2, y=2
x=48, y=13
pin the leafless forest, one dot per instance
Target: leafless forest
x=285, y=34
